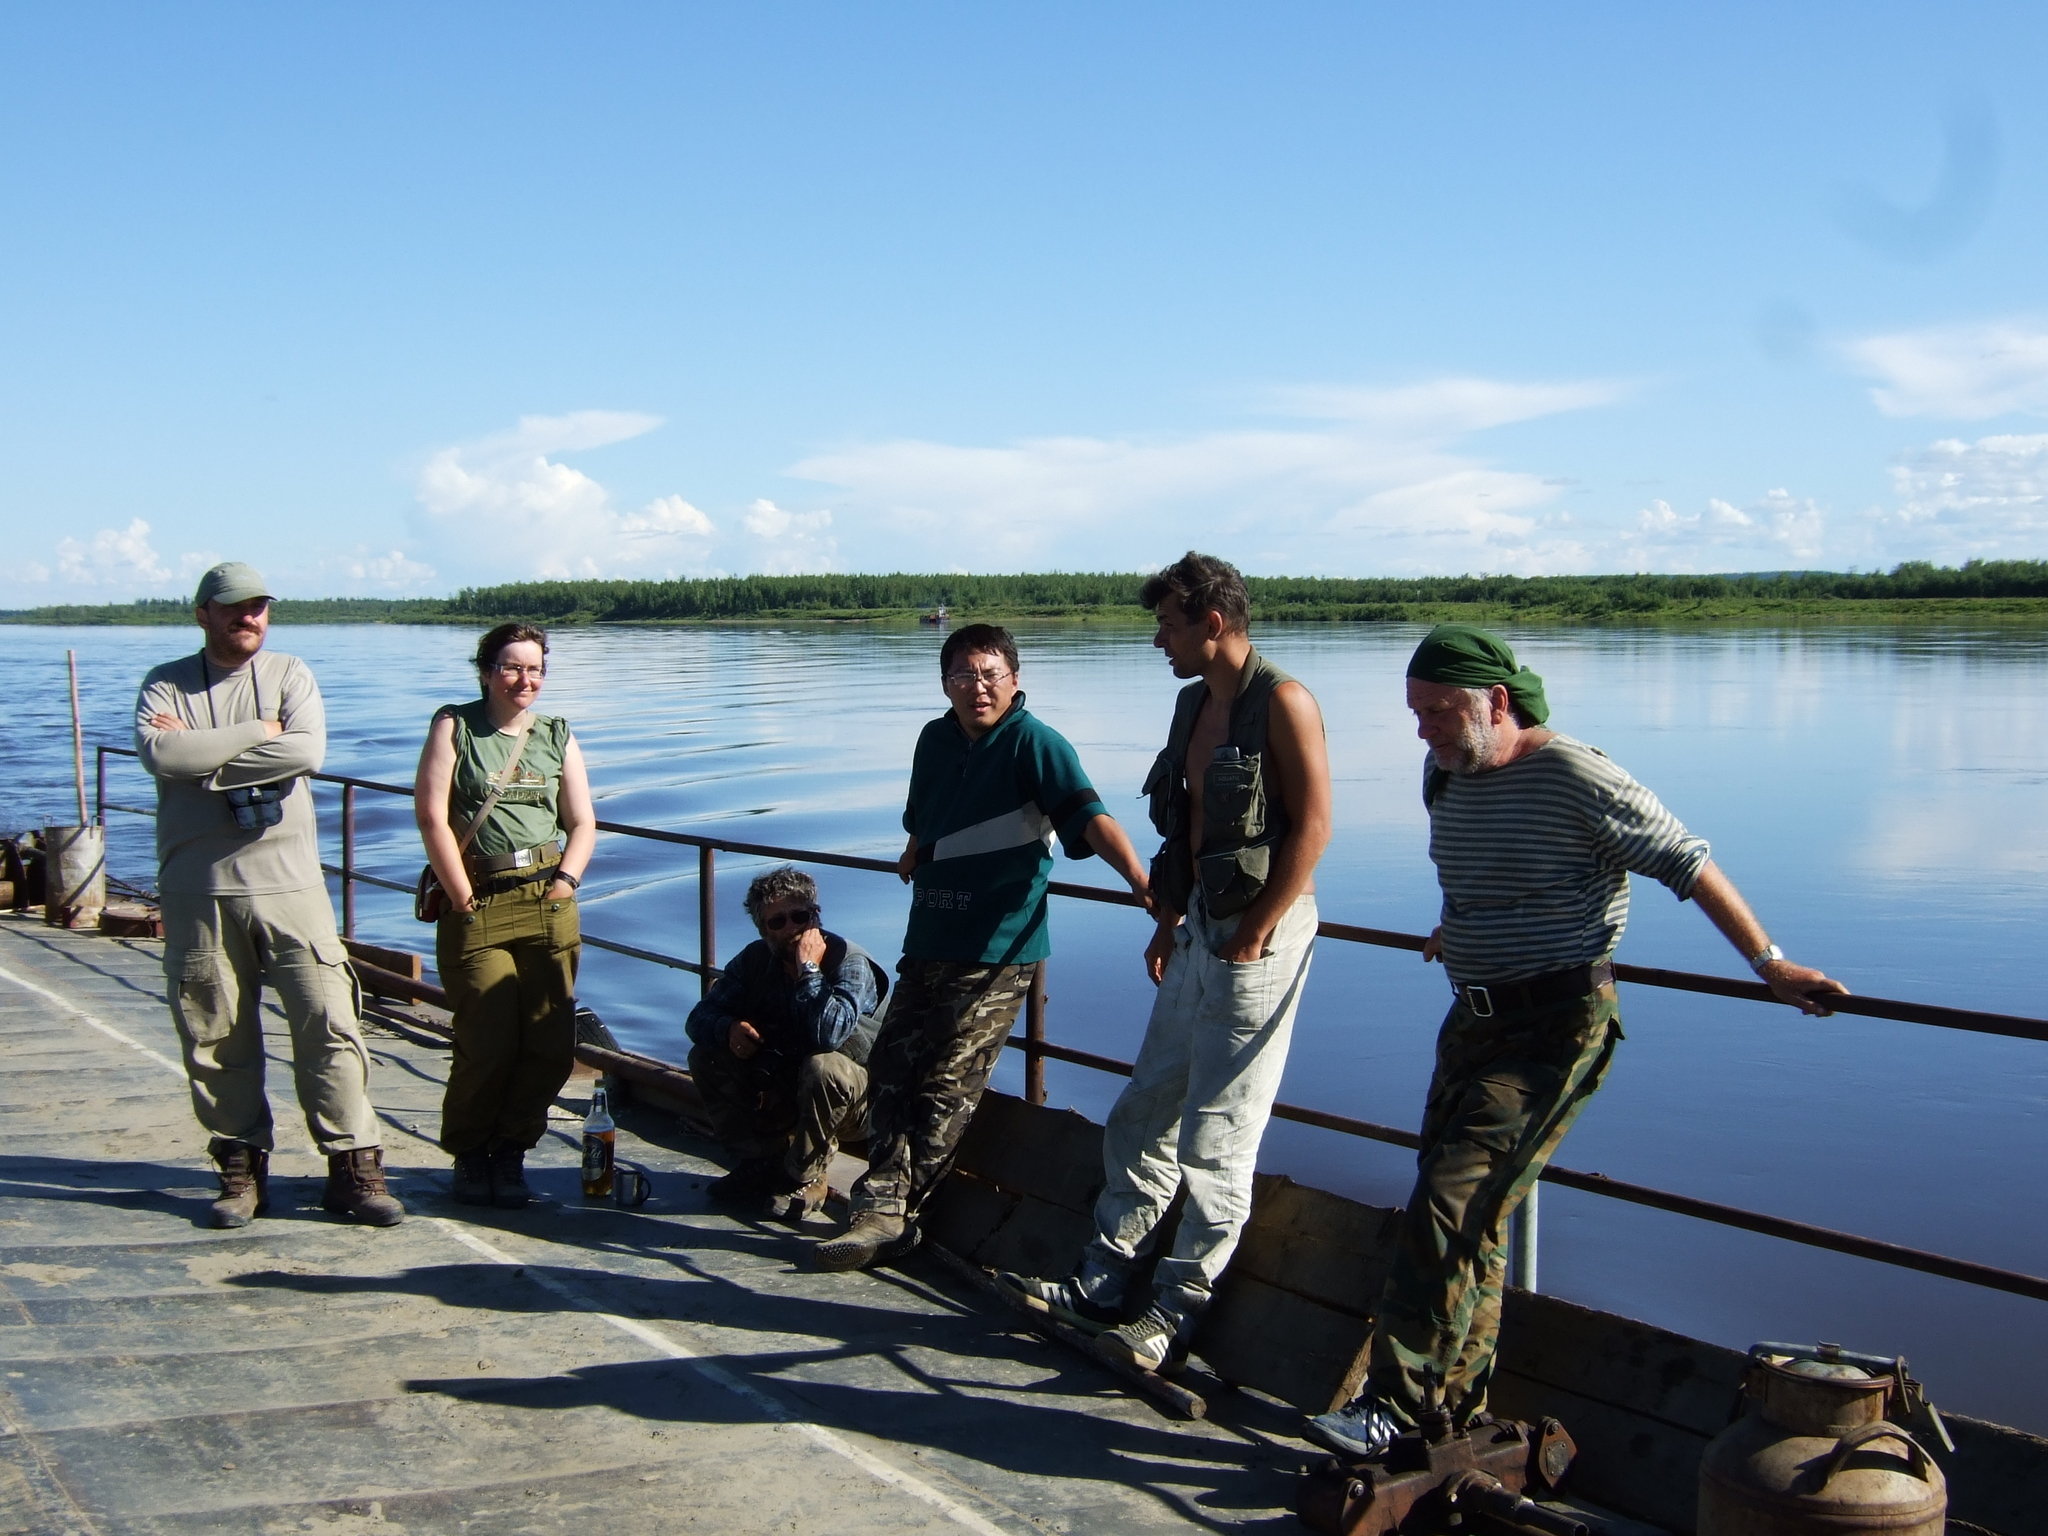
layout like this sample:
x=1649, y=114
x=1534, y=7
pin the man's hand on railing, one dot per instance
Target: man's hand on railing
x=1433, y=946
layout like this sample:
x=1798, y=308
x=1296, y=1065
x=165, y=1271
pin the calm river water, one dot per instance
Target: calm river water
x=1877, y=795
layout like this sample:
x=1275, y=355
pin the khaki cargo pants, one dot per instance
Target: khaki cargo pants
x=509, y=967
x=946, y=1027
x=218, y=952
x=1506, y=1089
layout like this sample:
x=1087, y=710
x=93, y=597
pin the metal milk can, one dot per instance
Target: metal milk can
x=1821, y=1449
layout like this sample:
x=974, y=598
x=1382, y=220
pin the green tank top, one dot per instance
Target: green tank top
x=527, y=814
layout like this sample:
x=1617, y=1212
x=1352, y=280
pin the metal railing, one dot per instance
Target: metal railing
x=1038, y=1050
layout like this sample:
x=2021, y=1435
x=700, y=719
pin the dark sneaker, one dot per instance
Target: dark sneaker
x=1061, y=1299
x=1361, y=1429
x=870, y=1239
x=244, y=1181
x=472, y=1182
x=1152, y=1343
x=509, y=1189
x=793, y=1205
x=746, y=1185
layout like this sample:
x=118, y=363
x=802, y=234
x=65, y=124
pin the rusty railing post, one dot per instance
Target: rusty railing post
x=99, y=794
x=348, y=861
x=707, y=916
x=1034, y=1037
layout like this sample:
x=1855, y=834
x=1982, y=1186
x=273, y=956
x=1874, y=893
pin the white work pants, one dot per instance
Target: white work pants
x=1196, y=1106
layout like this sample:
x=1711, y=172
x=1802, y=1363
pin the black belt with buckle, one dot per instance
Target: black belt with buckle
x=1486, y=1000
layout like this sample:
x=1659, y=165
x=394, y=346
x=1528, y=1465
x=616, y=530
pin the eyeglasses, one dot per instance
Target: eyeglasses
x=965, y=680
x=803, y=917
x=514, y=671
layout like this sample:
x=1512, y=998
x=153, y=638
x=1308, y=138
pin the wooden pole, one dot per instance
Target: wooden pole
x=77, y=737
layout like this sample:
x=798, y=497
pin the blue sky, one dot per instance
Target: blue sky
x=396, y=299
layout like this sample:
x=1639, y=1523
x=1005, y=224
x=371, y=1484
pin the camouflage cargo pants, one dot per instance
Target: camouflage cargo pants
x=946, y=1027
x=1506, y=1089
x=771, y=1108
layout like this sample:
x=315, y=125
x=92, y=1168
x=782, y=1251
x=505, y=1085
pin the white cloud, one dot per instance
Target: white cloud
x=1374, y=483
x=1777, y=531
x=1967, y=372
x=394, y=569
x=112, y=557
x=1986, y=500
x=504, y=505
x=790, y=543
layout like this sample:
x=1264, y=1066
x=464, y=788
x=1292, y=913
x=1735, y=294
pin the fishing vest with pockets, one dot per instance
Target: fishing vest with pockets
x=1241, y=822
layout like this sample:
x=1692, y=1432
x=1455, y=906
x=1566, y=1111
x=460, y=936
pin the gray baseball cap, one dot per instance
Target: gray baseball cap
x=231, y=582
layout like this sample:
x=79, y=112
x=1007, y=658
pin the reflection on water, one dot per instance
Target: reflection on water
x=1877, y=796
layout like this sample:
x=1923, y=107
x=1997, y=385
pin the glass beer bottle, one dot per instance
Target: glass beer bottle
x=600, y=1137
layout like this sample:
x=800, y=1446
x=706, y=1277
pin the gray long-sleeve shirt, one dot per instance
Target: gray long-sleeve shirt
x=199, y=849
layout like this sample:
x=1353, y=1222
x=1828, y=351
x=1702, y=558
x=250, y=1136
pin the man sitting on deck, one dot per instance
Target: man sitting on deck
x=779, y=1049
x=229, y=735
x=991, y=786
x=1534, y=836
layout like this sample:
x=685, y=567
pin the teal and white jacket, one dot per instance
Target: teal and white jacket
x=985, y=814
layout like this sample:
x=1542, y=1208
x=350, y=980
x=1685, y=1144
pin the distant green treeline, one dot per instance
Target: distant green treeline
x=1994, y=588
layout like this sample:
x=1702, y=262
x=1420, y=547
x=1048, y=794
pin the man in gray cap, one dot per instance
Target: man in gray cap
x=1534, y=836
x=230, y=734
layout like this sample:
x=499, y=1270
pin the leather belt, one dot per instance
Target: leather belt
x=1486, y=999
x=521, y=858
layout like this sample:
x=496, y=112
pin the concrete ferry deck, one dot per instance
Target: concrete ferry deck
x=568, y=1367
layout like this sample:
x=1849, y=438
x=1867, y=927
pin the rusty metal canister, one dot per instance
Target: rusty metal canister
x=1815, y=1453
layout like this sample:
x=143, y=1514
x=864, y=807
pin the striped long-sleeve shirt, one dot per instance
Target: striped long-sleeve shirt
x=1534, y=860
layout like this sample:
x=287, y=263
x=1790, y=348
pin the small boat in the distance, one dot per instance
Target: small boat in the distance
x=938, y=615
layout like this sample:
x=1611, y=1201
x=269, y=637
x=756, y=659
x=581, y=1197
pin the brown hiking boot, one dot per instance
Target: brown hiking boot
x=355, y=1187
x=244, y=1181
x=870, y=1239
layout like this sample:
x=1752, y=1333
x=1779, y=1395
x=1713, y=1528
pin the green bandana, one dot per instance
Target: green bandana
x=1466, y=656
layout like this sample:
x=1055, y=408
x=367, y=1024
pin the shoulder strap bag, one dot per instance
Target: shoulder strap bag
x=429, y=898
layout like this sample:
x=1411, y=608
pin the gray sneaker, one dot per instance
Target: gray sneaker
x=1061, y=1299
x=1361, y=1429
x=1152, y=1343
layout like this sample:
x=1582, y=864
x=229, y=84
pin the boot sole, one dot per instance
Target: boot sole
x=841, y=1255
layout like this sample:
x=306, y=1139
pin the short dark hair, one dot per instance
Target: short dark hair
x=1200, y=584
x=783, y=880
x=972, y=638
x=493, y=644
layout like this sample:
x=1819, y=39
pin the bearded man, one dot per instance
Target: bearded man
x=1534, y=836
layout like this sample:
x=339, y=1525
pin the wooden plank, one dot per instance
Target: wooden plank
x=1643, y=1370
x=1322, y=1247
x=1039, y=1238
x=965, y=1213
x=1628, y=1463
x=1029, y=1149
x=400, y=962
x=1998, y=1477
x=1258, y=1335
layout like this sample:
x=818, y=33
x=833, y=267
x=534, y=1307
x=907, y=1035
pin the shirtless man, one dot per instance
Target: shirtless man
x=1241, y=795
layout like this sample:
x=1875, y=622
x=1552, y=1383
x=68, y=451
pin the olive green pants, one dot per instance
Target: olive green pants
x=1506, y=1089
x=509, y=968
x=218, y=952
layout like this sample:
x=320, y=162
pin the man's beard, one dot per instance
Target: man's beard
x=1473, y=751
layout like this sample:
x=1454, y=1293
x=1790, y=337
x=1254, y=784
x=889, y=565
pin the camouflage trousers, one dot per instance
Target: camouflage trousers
x=1505, y=1091
x=775, y=1108
x=946, y=1027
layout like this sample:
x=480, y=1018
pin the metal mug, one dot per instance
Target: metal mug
x=630, y=1185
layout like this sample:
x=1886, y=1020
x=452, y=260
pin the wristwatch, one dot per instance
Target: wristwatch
x=809, y=968
x=1764, y=957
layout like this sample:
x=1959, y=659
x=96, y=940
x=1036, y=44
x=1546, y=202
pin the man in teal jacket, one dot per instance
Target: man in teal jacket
x=991, y=788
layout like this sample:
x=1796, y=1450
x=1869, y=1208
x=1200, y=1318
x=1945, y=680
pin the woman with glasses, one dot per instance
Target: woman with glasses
x=504, y=809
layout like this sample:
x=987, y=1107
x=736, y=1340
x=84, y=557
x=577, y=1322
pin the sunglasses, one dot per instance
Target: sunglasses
x=803, y=917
